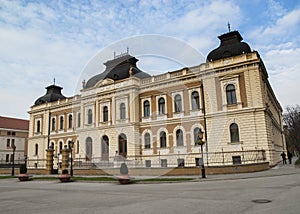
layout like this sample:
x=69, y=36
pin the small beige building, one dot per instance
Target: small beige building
x=124, y=114
x=13, y=135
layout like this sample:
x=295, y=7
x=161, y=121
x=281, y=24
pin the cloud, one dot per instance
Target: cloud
x=41, y=40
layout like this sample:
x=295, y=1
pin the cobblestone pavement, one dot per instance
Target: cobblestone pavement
x=274, y=191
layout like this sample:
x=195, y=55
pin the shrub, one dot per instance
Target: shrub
x=65, y=171
x=23, y=169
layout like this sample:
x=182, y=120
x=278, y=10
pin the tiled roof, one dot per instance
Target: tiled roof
x=14, y=123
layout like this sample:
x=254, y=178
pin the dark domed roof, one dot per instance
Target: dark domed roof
x=53, y=94
x=118, y=69
x=231, y=45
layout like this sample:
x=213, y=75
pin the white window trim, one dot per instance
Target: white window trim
x=234, y=80
x=146, y=119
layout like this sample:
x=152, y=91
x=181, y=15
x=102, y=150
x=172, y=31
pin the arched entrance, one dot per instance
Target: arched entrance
x=105, y=148
x=88, y=149
x=123, y=145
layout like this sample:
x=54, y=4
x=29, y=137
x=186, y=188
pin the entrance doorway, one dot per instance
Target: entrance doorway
x=123, y=145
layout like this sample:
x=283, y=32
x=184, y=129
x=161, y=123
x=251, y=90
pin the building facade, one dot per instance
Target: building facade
x=124, y=114
x=13, y=140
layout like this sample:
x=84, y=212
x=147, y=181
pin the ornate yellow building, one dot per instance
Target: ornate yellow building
x=124, y=114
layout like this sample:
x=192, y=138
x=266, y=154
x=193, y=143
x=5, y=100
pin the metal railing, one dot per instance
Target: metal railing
x=224, y=158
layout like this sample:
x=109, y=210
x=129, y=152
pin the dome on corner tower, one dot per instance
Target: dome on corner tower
x=231, y=45
x=53, y=94
x=118, y=69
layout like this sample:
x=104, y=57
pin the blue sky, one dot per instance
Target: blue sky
x=41, y=40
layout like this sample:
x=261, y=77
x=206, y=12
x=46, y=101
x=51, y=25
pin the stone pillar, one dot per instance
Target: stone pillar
x=49, y=160
x=65, y=158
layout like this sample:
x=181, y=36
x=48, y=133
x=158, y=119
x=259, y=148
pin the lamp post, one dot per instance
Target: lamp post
x=71, y=143
x=25, y=160
x=13, y=161
x=201, y=142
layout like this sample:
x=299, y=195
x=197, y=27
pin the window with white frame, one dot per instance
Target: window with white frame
x=90, y=116
x=178, y=103
x=61, y=122
x=234, y=133
x=147, y=140
x=105, y=114
x=38, y=126
x=78, y=119
x=163, y=139
x=195, y=100
x=122, y=111
x=161, y=106
x=231, y=94
x=53, y=124
x=70, y=121
x=146, y=106
x=179, y=137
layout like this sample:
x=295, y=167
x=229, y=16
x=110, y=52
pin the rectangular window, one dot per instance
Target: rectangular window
x=8, y=133
x=13, y=133
x=180, y=162
x=7, y=158
x=11, y=158
x=12, y=143
x=148, y=163
x=8, y=143
x=164, y=163
x=78, y=120
x=236, y=160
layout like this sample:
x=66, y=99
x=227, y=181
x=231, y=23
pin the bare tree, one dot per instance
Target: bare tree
x=292, y=127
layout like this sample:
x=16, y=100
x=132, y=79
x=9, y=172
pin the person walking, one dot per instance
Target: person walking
x=283, y=155
x=290, y=156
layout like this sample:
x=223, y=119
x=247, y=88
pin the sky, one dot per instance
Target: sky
x=43, y=40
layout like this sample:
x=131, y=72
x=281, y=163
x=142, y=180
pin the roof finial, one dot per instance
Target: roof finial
x=54, y=81
x=228, y=25
x=127, y=49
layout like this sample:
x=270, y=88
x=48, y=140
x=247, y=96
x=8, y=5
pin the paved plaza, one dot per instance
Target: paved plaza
x=275, y=191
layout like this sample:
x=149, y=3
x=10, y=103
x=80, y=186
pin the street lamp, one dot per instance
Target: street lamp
x=71, y=143
x=13, y=161
x=25, y=160
x=201, y=143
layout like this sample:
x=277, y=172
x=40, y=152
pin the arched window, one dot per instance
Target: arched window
x=36, y=152
x=178, y=103
x=122, y=111
x=60, y=146
x=88, y=148
x=195, y=100
x=123, y=145
x=146, y=108
x=61, y=123
x=70, y=121
x=105, y=114
x=161, y=106
x=196, y=134
x=38, y=126
x=147, y=141
x=234, y=133
x=163, y=139
x=53, y=124
x=90, y=116
x=78, y=119
x=105, y=148
x=230, y=94
x=179, y=137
